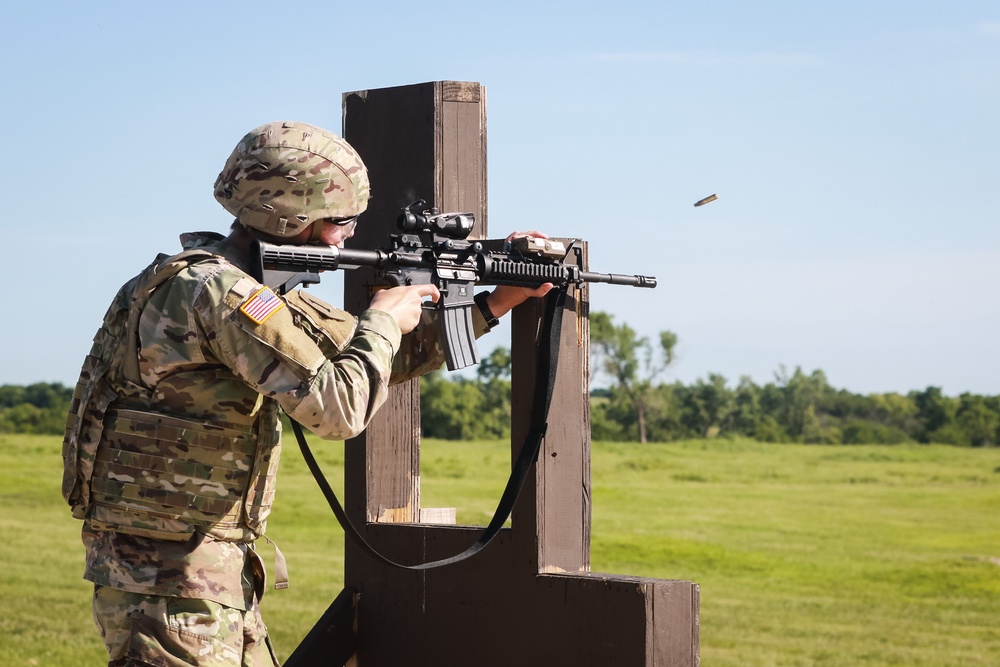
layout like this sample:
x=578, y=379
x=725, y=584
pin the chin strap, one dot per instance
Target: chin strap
x=315, y=232
x=545, y=378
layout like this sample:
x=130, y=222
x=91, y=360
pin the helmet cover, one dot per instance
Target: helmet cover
x=284, y=176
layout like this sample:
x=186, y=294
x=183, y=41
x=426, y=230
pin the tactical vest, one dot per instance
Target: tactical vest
x=131, y=469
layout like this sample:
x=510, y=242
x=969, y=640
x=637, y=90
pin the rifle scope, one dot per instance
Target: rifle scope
x=417, y=218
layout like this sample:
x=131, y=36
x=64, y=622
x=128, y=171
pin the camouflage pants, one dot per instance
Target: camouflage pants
x=141, y=630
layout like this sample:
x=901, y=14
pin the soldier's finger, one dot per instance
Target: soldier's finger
x=534, y=233
x=429, y=290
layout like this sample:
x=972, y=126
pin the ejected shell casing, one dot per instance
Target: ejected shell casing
x=702, y=202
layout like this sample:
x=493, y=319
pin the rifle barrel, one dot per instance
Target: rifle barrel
x=618, y=279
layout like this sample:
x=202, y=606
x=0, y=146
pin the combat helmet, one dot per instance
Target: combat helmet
x=284, y=176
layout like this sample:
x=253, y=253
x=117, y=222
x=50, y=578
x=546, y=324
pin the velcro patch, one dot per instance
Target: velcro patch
x=262, y=305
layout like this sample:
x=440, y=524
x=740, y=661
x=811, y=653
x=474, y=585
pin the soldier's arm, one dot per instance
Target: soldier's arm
x=255, y=336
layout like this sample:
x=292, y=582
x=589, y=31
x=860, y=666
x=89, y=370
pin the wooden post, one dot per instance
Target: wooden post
x=528, y=598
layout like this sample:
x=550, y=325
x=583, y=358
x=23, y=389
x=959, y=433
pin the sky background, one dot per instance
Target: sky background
x=853, y=146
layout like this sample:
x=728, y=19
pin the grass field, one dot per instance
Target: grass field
x=806, y=555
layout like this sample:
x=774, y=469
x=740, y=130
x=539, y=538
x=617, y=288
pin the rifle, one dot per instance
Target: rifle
x=432, y=249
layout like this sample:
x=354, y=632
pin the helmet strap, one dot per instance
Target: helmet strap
x=317, y=231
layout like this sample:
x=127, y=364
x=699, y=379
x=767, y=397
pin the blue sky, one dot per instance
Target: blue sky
x=853, y=146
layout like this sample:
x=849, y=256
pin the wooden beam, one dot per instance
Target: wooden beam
x=553, y=514
x=333, y=640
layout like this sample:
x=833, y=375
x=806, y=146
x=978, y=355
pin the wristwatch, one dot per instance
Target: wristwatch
x=484, y=308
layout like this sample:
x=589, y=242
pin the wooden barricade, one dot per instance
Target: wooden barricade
x=529, y=597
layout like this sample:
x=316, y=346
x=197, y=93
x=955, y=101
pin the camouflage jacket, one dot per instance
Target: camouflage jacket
x=216, y=347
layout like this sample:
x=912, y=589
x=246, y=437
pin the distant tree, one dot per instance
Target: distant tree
x=770, y=427
x=665, y=421
x=631, y=362
x=48, y=395
x=27, y=418
x=979, y=418
x=868, y=432
x=493, y=373
x=897, y=411
x=747, y=411
x=603, y=426
x=844, y=405
x=617, y=407
x=11, y=395
x=450, y=409
x=935, y=413
x=496, y=366
x=800, y=395
x=37, y=408
x=467, y=409
x=41, y=395
x=709, y=406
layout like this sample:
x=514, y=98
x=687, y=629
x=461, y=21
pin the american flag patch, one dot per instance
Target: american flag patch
x=262, y=305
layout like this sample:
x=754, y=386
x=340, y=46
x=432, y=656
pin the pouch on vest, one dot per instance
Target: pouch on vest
x=330, y=327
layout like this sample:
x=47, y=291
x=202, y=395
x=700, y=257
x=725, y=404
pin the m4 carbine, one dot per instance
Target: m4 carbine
x=432, y=249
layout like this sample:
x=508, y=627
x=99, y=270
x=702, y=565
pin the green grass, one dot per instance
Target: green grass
x=814, y=555
x=806, y=555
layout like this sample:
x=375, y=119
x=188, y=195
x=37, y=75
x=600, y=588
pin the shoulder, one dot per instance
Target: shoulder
x=214, y=277
x=218, y=288
x=204, y=284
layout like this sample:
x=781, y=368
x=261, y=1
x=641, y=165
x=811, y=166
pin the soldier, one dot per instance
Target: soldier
x=173, y=438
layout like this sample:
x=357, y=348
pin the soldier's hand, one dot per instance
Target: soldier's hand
x=521, y=235
x=404, y=303
x=505, y=297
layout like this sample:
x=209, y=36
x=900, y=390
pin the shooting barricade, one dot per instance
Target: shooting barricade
x=529, y=597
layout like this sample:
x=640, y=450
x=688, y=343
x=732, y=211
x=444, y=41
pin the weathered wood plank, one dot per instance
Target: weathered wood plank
x=552, y=516
x=382, y=482
x=333, y=640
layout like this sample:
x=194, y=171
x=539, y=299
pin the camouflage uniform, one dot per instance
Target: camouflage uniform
x=158, y=630
x=168, y=535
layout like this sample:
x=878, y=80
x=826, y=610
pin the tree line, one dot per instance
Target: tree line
x=794, y=407
x=36, y=408
x=636, y=403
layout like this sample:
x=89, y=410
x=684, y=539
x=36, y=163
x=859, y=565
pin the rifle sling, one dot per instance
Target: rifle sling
x=545, y=379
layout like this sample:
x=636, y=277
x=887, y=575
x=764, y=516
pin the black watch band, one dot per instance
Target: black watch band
x=484, y=308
